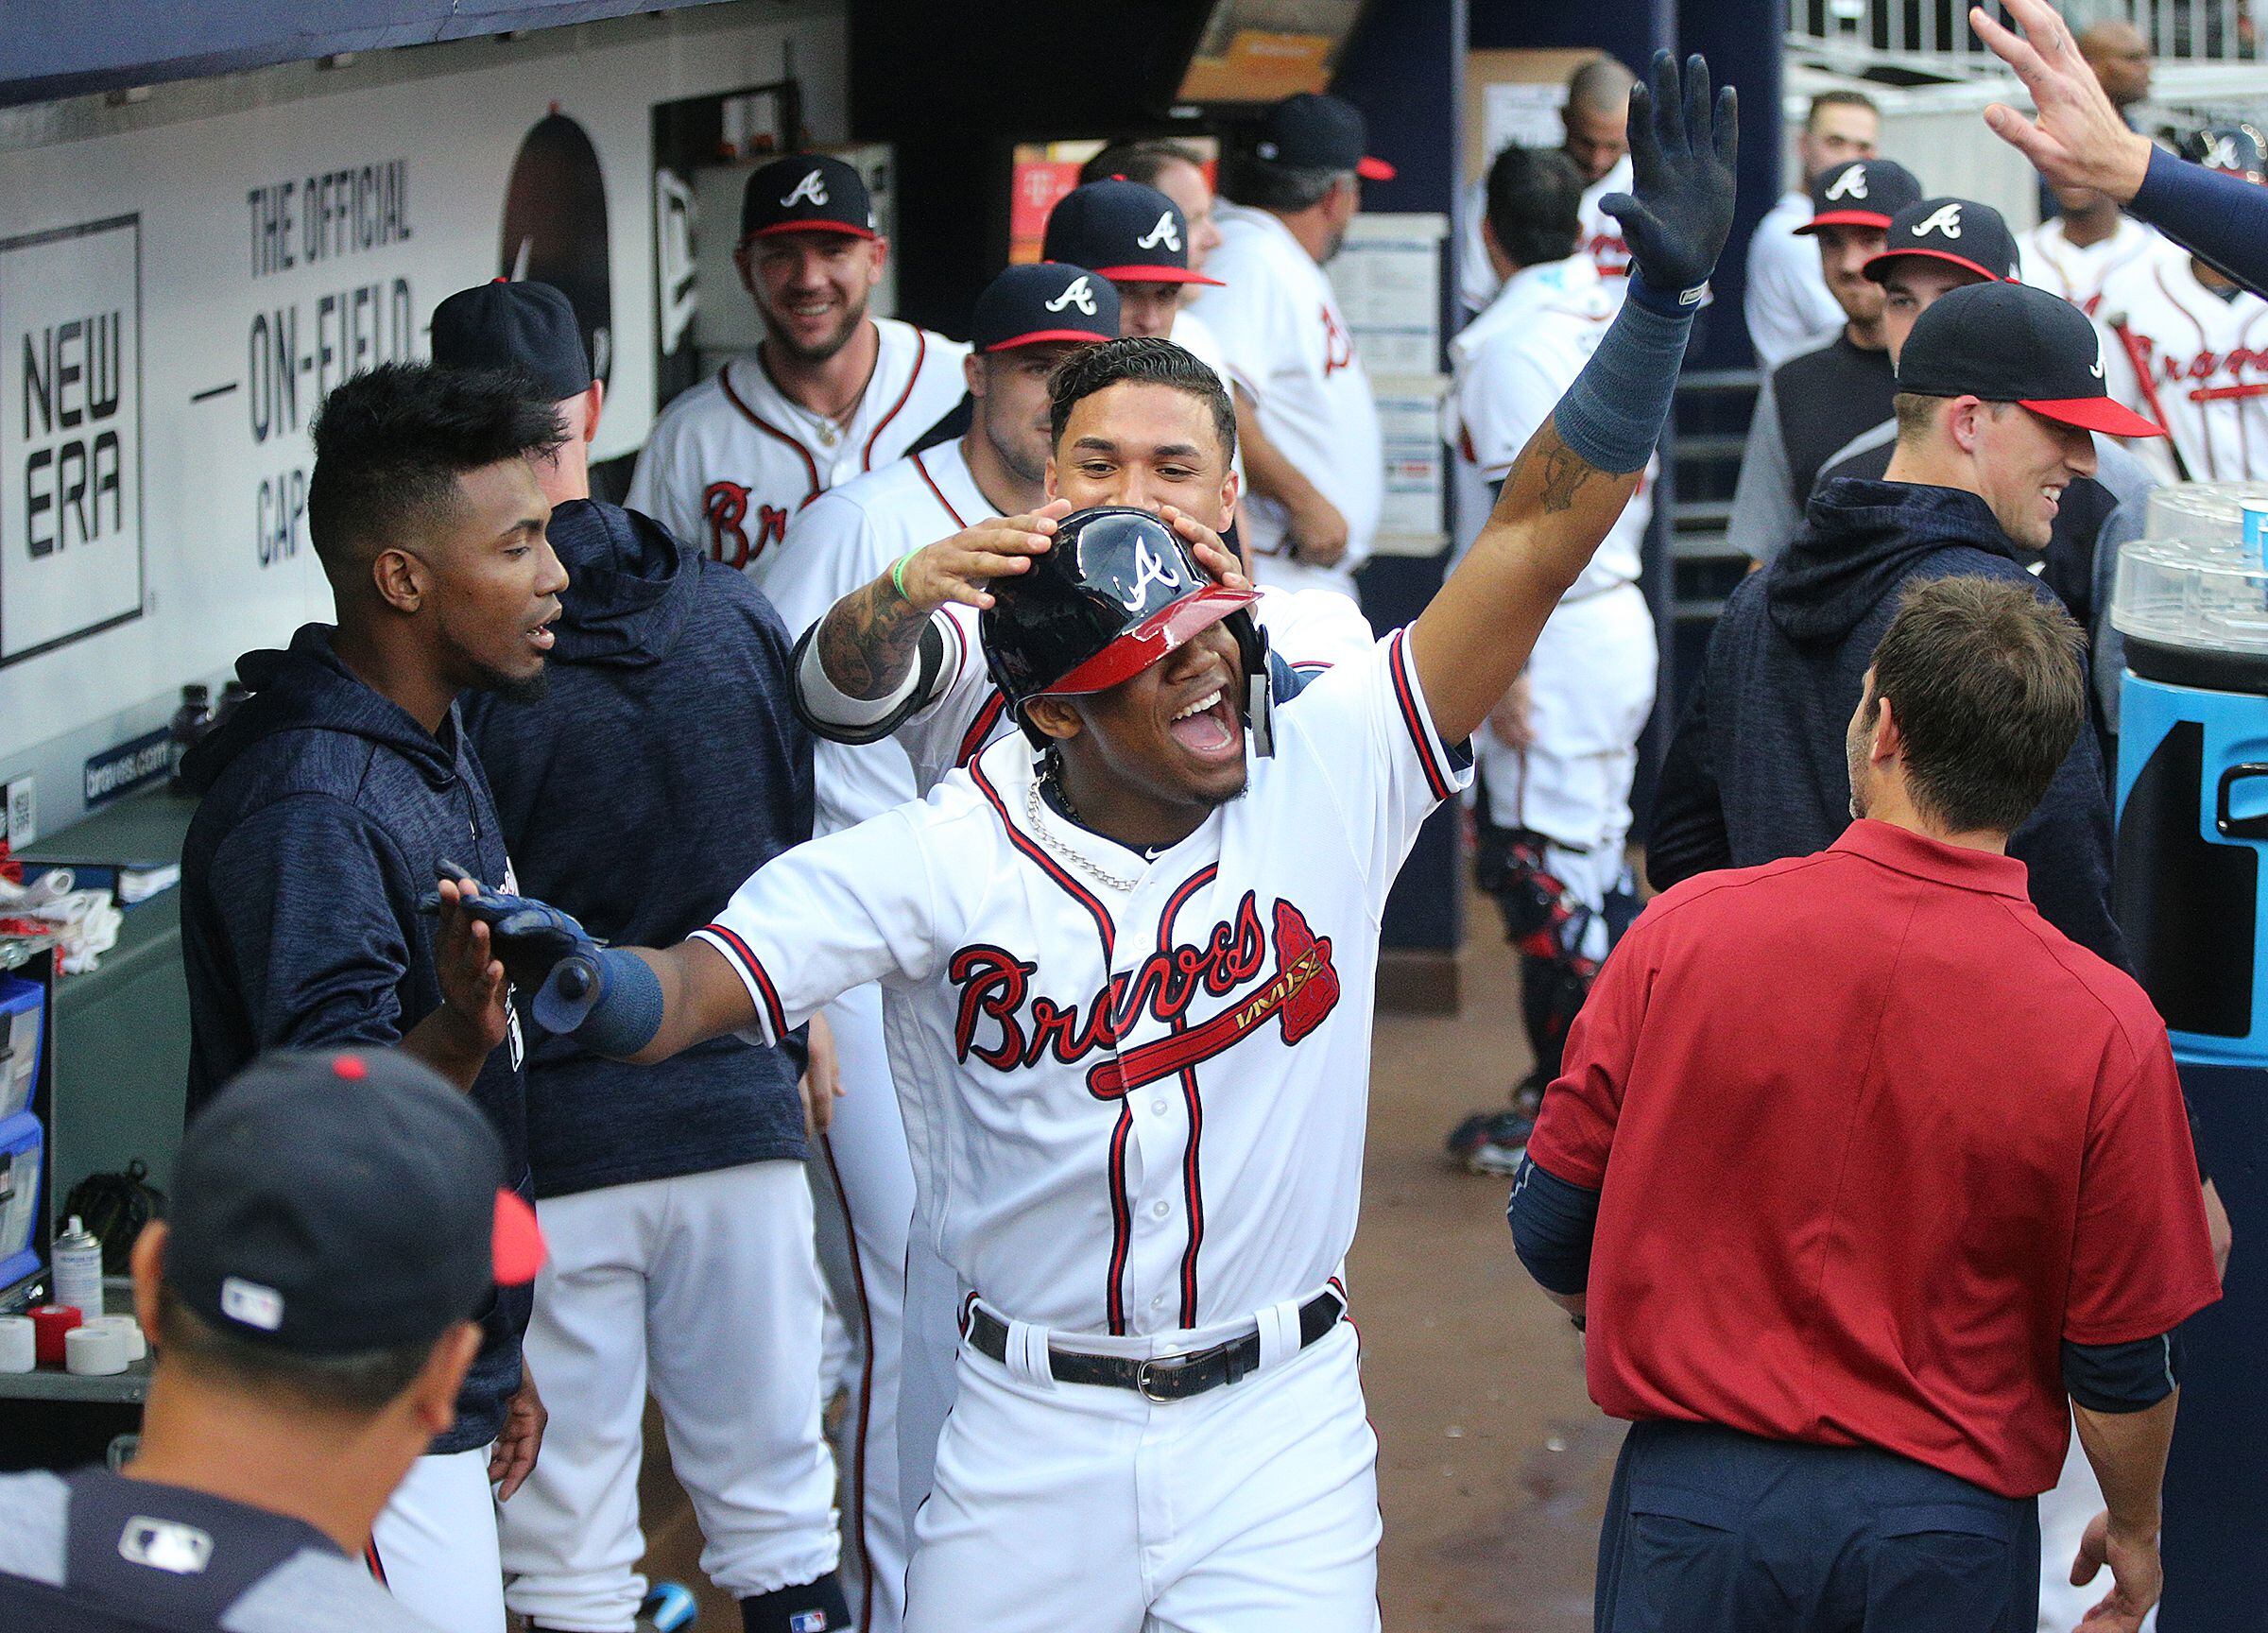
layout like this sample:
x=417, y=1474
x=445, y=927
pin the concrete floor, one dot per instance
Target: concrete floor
x=1492, y=1464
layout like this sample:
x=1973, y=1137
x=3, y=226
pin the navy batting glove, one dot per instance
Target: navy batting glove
x=1682, y=150
x=531, y=937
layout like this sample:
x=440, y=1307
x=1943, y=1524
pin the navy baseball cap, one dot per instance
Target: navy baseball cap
x=1863, y=192
x=1126, y=232
x=528, y=327
x=338, y=1202
x=2232, y=150
x=1315, y=132
x=2012, y=343
x=1026, y=305
x=1956, y=231
x=806, y=193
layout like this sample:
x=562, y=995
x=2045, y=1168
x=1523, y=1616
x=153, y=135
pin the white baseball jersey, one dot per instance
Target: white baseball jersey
x=1477, y=282
x=1289, y=348
x=1590, y=679
x=1510, y=367
x=731, y=461
x=1195, y=337
x=843, y=541
x=2048, y=259
x=1137, y=1088
x=1788, y=306
x=2191, y=360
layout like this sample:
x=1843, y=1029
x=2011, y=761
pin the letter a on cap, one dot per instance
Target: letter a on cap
x=1945, y=220
x=812, y=187
x=1163, y=233
x=1076, y=293
x=1851, y=184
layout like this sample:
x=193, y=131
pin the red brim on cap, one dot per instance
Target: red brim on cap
x=517, y=1242
x=2104, y=414
x=1151, y=640
x=779, y=227
x=1150, y=272
x=1846, y=218
x=1039, y=337
x=1960, y=261
x=1371, y=169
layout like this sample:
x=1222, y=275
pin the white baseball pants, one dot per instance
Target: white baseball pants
x=862, y=1164
x=435, y=1543
x=704, y=1290
x=1074, y=1508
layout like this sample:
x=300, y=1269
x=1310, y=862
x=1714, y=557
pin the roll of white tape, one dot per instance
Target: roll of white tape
x=95, y=1350
x=136, y=1346
x=17, y=1350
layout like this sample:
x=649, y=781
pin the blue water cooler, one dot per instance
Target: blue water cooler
x=2193, y=833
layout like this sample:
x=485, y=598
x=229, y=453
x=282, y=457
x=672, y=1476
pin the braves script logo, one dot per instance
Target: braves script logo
x=726, y=507
x=1079, y=293
x=1338, y=349
x=1149, y=569
x=1851, y=184
x=1165, y=234
x=1003, y=1024
x=1945, y=220
x=813, y=186
x=2202, y=367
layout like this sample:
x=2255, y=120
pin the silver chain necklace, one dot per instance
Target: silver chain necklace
x=1032, y=803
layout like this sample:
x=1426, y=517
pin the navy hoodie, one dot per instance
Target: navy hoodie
x=662, y=766
x=1757, y=772
x=325, y=808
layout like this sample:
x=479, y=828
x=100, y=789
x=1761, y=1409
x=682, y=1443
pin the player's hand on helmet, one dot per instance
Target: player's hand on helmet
x=1683, y=147
x=1210, y=549
x=531, y=937
x=960, y=568
x=473, y=985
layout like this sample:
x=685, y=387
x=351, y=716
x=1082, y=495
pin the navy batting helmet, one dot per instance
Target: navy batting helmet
x=1117, y=591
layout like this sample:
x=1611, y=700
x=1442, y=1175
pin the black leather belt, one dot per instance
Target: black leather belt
x=1163, y=1377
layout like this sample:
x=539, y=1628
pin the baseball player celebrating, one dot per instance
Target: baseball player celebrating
x=858, y=677
x=1128, y=960
x=2189, y=348
x=830, y=392
x=1028, y=319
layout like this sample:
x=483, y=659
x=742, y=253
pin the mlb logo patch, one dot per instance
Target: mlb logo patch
x=807, y=1621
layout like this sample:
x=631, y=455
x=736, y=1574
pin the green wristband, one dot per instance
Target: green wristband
x=897, y=574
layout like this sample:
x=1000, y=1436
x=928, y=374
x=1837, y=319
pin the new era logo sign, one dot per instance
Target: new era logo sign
x=1945, y=220
x=1079, y=293
x=1851, y=184
x=1165, y=234
x=813, y=186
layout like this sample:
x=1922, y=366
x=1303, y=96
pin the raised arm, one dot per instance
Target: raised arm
x=1580, y=469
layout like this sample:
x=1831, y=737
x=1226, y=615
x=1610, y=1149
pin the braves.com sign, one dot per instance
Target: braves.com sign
x=70, y=433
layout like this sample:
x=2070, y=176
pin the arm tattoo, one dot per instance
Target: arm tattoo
x=1562, y=474
x=868, y=640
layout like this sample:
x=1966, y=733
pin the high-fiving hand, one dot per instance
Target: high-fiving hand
x=1683, y=147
